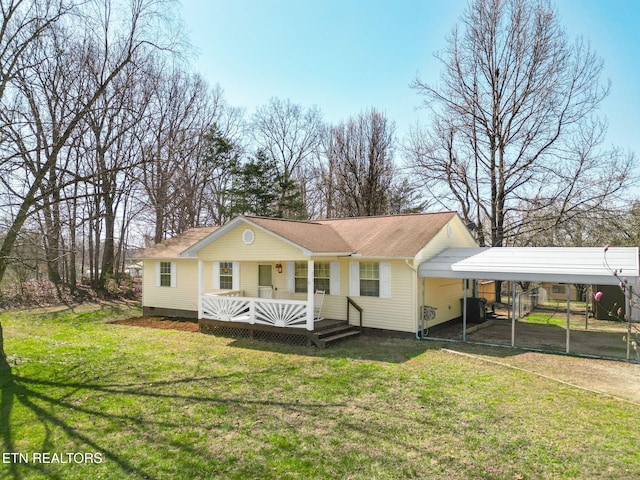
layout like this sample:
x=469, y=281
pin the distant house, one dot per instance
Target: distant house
x=258, y=273
x=134, y=269
x=557, y=292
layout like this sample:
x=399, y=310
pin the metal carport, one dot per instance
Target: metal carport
x=566, y=265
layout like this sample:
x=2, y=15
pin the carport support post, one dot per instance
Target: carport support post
x=628, y=311
x=200, y=287
x=513, y=313
x=586, y=310
x=464, y=309
x=568, y=288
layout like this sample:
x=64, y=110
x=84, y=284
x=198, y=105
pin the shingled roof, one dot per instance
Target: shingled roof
x=390, y=236
x=394, y=236
x=383, y=236
x=314, y=236
x=174, y=246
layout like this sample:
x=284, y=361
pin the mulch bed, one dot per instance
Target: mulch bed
x=160, y=322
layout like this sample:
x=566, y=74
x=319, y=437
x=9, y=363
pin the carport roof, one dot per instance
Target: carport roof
x=538, y=264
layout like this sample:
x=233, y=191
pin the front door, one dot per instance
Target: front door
x=265, y=281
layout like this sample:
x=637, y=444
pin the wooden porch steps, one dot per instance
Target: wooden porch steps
x=330, y=335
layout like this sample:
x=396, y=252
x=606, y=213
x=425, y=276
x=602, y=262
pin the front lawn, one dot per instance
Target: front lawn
x=88, y=399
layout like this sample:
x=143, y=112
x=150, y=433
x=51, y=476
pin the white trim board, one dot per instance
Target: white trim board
x=585, y=265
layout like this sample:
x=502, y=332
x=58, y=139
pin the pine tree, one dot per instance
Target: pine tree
x=258, y=188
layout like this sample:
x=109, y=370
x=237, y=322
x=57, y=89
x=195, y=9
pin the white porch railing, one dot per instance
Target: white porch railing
x=263, y=311
x=227, y=293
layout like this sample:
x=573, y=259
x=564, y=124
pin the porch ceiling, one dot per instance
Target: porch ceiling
x=544, y=264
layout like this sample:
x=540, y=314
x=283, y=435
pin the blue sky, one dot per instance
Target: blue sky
x=346, y=56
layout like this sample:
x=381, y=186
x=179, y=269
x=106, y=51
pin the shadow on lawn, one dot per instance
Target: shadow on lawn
x=17, y=389
x=102, y=306
x=29, y=394
x=377, y=348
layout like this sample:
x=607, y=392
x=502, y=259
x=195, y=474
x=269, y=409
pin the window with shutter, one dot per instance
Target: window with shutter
x=321, y=276
x=369, y=279
x=226, y=275
x=165, y=274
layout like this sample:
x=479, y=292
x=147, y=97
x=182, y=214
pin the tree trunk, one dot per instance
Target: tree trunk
x=108, y=252
x=159, y=234
x=3, y=356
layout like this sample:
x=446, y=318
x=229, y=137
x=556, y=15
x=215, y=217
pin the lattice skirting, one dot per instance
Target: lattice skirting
x=281, y=337
x=230, y=332
x=269, y=335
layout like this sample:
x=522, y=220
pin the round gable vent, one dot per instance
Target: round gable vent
x=248, y=236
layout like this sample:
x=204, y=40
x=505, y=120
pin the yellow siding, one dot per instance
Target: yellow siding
x=265, y=247
x=249, y=279
x=445, y=294
x=395, y=313
x=185, y=294
x=460, y=237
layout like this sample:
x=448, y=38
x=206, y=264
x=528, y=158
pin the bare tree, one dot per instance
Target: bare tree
x=35, y=135
x=358, y=176
x=290, y=135
x=175, y=174
x=47, y=95
x=22, y=25
x=514, y=126
x=112, y=155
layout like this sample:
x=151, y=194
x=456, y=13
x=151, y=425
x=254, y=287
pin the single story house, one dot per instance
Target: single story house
x=267, y=272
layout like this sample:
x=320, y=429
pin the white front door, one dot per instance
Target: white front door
x=265, y=281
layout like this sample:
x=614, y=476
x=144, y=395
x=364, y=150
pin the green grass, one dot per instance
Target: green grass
x=555, y=313
x=551, y=318
x=166, y=404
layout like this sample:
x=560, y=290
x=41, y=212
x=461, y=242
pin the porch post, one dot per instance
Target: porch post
x=200, y=287
x=310, y=293
x=568, y=287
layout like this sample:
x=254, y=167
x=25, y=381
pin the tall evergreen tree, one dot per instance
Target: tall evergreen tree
x=252, y=191
x=259, y=188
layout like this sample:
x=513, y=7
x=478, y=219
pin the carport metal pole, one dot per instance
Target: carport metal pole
x=464, y=309
x=200, y=287
x=513, y=313
x=628, y=311
x=568, y=288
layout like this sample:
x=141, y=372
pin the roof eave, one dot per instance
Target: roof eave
x=192, y=251
x=382, y=257
x=527, y=277
x=173, y=257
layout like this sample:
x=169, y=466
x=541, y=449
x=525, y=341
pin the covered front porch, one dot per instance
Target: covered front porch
x=258, y=306
x=268, y=306
x=232, y=306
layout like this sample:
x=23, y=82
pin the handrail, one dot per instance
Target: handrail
x=350, y=302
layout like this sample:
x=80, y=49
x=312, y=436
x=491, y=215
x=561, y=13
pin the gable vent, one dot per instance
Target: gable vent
x=248, y=236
